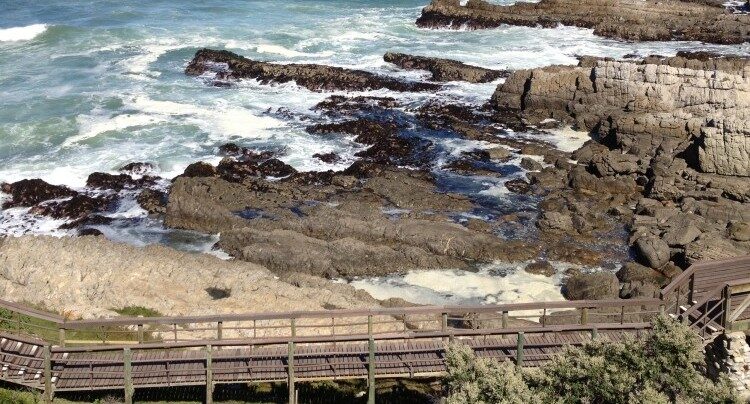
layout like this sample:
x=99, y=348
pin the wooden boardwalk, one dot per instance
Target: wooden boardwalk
x=46, y=352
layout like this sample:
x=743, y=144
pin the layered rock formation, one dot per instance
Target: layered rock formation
x=226, y=66
x=671, y=153
x=635, y=20
x=89, y=276
x=445, y=69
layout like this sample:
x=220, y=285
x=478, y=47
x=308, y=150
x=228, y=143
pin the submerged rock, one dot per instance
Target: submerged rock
x=227, y=65
x=445, y=69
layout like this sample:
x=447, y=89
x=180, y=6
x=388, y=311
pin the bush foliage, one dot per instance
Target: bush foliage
x=662, y=367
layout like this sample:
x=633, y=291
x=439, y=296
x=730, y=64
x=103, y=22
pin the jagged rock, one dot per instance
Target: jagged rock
x=77, y=207
x=518, y=185
x=592, y=286
x=200, y=169
x=31, y=192
x=633, y=20
x=153, y=201
x=681, y=235
x=137, y=168
x=634, y=272
x=555, y=222
x=227, y=65
x=653, y=251
x=445, y=69
x=116, y=182
x=739, y=231
x=712, y=247
x=329, y=158
x=531, y=164
x=644, y=110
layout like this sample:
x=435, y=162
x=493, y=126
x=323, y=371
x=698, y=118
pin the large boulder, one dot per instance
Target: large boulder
x=31, y=192
x=653, y=251
x=592, y=286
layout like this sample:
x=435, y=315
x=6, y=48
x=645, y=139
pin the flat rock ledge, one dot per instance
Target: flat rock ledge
x=634, y=20
x=445, y=69
x=88, y=276
x=227, y=66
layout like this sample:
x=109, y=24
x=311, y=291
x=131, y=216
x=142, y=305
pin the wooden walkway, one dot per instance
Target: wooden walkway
x=46, y=352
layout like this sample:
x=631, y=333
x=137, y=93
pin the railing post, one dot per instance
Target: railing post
x=584, y=315
x=505, y=319
x=691, y=287
x=48, y=393
x=677, y=301
x=594, y=333
x=127, y=360
x=519, y=349
x=293, y=326
x=219, y=330
x=209, y=375
x=369, y=325
x=727, y=307
x=61, y=336
x=444, y=322
x=140, y=333
x=371, y=372
x=290, y=372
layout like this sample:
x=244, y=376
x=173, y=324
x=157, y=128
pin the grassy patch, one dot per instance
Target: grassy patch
x=137, y=311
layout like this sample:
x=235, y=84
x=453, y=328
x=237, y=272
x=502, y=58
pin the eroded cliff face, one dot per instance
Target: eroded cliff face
x=641, y=106
x=669, y=133
x=89, y=276
x=635, y=20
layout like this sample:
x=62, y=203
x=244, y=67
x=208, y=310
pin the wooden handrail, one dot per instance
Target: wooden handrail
x=405, y=311
x=359, y=337
x=31, y=312
x=708, y=297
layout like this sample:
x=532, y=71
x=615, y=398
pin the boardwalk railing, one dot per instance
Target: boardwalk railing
x=138, y=330
x=52, y=353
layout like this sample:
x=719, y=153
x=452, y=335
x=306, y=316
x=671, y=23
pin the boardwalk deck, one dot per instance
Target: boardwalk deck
x=418, y=350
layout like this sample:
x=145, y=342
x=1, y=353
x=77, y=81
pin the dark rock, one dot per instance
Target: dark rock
x=200, y=169
x=137, y=168
x=531, y=164
x=89, y=232
x=518, y=185
x=230, y=66
x=153, y=201
x=445, y=69
x=76, y=207
x=329, y=158
x=276, y=168
x=31, y=192
x=634, y=272
x=117, y=182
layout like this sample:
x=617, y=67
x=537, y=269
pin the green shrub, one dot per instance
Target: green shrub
x=659, y=368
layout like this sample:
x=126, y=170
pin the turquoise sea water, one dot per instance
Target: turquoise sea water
x=90, y=86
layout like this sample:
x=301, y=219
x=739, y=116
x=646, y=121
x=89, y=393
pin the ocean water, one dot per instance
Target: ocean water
x=90, y=86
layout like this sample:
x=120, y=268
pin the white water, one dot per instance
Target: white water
x=22, y=33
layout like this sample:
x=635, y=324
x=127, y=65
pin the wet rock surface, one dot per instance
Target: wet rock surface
x=26, y=193
x=227, y=66
x=445, y=69
x=634, y=20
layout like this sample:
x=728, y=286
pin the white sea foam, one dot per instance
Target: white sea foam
x=280, y=50
x=26, y=33
x=569, y=140
x=492, y=284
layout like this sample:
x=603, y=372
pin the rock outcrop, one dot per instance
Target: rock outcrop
x=445, y=69
x=668, y=157
x=634, y=20
x=226, y=66
x=89, y=276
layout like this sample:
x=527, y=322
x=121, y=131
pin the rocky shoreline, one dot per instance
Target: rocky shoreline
x=666, y=174
x=633, y=20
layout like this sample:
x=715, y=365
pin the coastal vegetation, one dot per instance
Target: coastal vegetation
x=663, y=367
